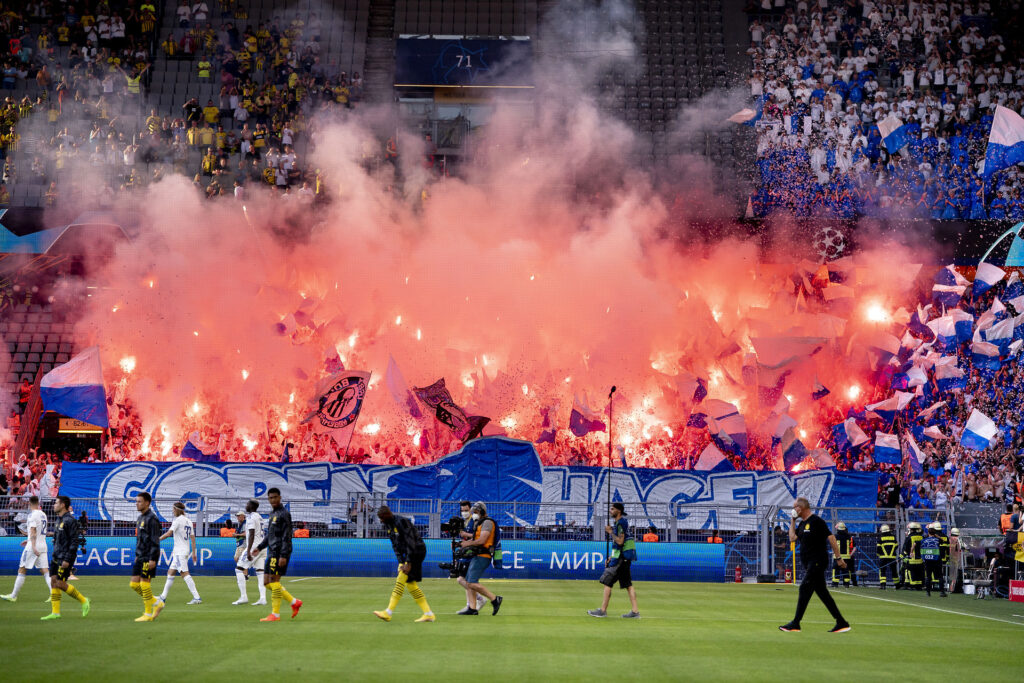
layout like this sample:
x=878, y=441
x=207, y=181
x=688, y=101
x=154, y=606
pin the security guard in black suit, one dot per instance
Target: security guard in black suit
x=846, y=551
x=886, y=551
x=913, y=563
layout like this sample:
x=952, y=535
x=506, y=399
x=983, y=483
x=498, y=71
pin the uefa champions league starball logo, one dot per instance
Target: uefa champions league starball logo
x=340, y=405
x=830, y=243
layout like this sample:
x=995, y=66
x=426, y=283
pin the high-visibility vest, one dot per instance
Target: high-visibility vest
x=204, y=69
x=133, y=84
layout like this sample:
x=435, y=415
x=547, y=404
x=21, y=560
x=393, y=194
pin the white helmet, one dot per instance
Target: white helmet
x=884, y=528
x=954, y=532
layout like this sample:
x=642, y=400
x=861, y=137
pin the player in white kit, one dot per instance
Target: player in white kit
x=34, y=556
x=255, y=528
x=184, y=547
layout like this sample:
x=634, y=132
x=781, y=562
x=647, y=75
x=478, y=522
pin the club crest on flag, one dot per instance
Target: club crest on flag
x=340, y=404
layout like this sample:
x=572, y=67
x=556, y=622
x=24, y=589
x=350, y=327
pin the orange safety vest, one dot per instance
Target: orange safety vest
x=1004, y=522
x=714, y=539
x=226, y=532
x=301, y=533
x=486, y=552
x=650, y=538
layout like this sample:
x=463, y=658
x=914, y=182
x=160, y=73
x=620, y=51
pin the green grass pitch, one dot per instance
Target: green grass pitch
x=706, y=632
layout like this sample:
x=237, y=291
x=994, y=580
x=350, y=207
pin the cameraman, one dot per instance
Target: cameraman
x=474, y=602
x=482, y=543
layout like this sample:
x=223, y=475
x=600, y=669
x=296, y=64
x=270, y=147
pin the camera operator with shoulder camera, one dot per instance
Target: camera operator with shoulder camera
x=461, y=529
x=481, y=547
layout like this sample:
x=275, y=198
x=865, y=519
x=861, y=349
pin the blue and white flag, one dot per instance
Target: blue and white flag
x=848, y=435
x=1000, y=334
x=995, y=313
x=726, y=426
x=913, y=450
x=399, y=390
x=1005, y=141
x=979, y=431
x=918, y=323
x=783, y=423
x=887, y=448
x=948, y=295
x=950, y=378
x=793, y=450
x=202, y=451
x=930, y=410
x=895, y=134
x=886, y=410
x=1014, y=292
x=820, y=391
x=985, y=356
x=75, y=389
x=583, y=420
x=691, y=389
x=987, y=277
x=934, y=433
x=950, y=276
x=713, y=460
x=750, y=117
x=963, y=324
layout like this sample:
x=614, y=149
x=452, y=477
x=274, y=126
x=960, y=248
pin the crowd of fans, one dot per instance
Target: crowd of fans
x=825, y=73
x=82, y=127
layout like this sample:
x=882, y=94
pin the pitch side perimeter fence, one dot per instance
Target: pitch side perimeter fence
x=675, y=541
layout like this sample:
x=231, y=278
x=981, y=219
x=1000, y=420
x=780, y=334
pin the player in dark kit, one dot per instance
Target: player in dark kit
x=410, y=551
x=62, y=564
x=815, y=538
x=147, y=554
x=279, y=543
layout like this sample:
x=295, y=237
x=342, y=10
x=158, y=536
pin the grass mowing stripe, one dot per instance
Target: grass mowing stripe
x=936, y=609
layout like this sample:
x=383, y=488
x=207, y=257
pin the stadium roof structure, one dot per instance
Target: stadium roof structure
x=88, y=230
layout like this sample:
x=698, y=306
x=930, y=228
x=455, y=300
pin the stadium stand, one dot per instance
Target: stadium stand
x=827, y=75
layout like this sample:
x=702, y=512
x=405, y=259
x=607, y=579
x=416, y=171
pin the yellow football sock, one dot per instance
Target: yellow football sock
x=55, y=600
x=73, y=592
x=285, y=594
x=137, y=587
x=147, y=596
x=275, y=597
x=417, y=595
x=399, y=589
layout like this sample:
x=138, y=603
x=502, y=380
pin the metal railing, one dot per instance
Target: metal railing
x=753, y=538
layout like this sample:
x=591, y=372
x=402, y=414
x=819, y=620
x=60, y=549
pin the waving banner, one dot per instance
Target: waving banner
x=491, y=469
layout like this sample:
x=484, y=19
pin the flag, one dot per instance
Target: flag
x=918, y=323
x=747, y=116
x=934, y=433
x=950, y=378
x=75, y=389
x=692, y=389
x=950, y=276
x=986, y=277
x=1014, y=292
x=822, y=459
x=782, y=424
x=985, y=356
x=848, y=435
x=887, y=448
x=439, y=400
x=793, y=450
x=399, y=390
x=963, y=324
x=336, y=405
x=726, y=426
x=887, y=409
x=930, y=410
x=820, y=391
x=948, y=295
x=201, y=451
x=582, y=420
x=979, y=431
x=995, y=313
x=547, y=425
x=713, y=460
x=895, y=134
x=944, y=329
x=913, y=450
x=1000, y=334
x=1005, y=141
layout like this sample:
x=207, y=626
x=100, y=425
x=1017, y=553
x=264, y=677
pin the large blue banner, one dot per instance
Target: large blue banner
x=490, y=469
x=374, y=557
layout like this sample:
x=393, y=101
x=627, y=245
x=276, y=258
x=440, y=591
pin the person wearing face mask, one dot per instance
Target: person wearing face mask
x=484, y=537
x=474, y=601
x=815, y=538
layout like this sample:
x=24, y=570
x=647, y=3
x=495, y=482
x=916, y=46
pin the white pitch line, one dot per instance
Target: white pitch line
x=305, y=578
x=935, y=609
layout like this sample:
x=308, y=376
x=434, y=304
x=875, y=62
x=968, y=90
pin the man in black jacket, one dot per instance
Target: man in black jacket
x=410, y=550
x=62, y=562
x=279, y=543
x=147, y=553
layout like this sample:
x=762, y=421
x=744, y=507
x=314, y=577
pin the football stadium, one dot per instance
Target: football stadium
x=516, y=339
